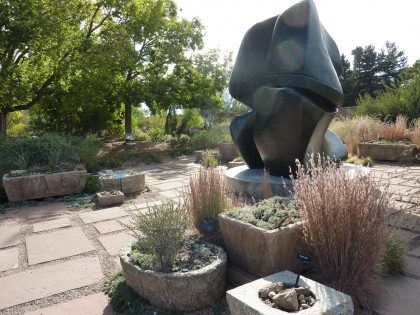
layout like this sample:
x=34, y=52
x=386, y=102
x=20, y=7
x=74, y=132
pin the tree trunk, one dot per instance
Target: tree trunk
x=3, y=125
x=127, y=119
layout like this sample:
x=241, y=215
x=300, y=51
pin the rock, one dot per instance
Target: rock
x=301, y=298
x=287, y=300
x=276, y=287
x=302, y=290
x=304, y=306
x=271, y=294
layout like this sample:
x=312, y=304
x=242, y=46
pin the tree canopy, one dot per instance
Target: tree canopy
x=372, y=71
x=85, y=63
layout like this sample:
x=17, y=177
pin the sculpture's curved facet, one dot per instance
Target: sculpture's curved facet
x=286, y=72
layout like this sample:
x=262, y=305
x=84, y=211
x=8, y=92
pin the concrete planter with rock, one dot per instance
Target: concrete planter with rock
x=107, y=199
x=387, y=152
x=258, y=251
x=182, y=291
x=227, y=151
x=325, y=300
x=44, y=185
x=128, y=184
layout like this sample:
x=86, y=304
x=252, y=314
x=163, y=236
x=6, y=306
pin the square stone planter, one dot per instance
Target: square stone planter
x=127, y=184
x=106, y=199
x=44, y=185
x=387, y=152
x=245, y=299
x=257, y=251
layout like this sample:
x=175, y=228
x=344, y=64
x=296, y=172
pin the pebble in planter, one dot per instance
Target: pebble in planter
x=246, y=299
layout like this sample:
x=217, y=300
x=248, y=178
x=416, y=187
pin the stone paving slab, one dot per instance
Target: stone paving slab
x=127, y=221
x=405, y=236
x=9, y=258
x=113, y=243
x=55, y=245
x=415, y=252
x=399, y=296
x=108, y=226
x=171, y=193
x=51, y=224
x=102, y=215
x=46, y=281
x=46, y=210
x=413, y=266
x=10, y=235
x=170, y=185
x=95, y=304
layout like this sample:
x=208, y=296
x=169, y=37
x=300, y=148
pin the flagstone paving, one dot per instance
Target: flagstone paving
x=113, y=243
x=102, y=215
x=9, y=258
x=55, y=245
x=51, y=224
x=95, y=304
x=39, y=283
x=10, y=235
x=54, y=262
x=108, y=226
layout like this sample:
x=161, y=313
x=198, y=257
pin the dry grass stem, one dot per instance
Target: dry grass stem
x=345, y=229
x=394, y=131
x=265, y=185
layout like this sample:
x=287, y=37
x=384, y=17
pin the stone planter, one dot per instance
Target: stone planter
x=182, y=291
x=127, y=184
x=44, y=185
x=227, y=151
x=245, y=299
x=198, y=154
x=387, y=152
x=106, y=199
x=257, y=251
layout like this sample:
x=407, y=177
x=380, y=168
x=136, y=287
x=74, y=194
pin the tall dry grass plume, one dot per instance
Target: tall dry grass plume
x=265, y=185
x=415, y=133
x=394, y=131
x=345, y=229
x=207, y=195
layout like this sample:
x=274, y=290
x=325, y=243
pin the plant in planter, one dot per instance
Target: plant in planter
x=263, y=238
x=51, y=167
x=169, y=268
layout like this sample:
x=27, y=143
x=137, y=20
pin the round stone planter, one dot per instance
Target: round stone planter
x=182, y=291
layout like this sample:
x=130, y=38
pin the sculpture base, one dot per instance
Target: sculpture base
x=249, y=182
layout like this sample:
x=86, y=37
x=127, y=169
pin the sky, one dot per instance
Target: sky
x=351, y=23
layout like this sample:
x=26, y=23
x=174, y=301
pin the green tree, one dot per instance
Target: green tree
x=348, y=82
x=38, y=41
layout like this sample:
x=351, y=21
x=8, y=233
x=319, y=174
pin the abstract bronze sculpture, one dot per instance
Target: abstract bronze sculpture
x=287, y=72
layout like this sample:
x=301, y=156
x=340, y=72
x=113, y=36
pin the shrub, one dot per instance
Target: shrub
x=345, y=227
x=364, y=161
x=184, y=140
x=140, y=135
x=3, y=195
x=393, y=260
x=162, y=229
x=156, y=134
x=402, y=99
x=88, y=149
x=204, y=140
x=209, y=160
x=206, y=196
x=92, y=184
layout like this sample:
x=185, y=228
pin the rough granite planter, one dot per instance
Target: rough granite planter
x=44, y=185
x=227, y=151
x=106, y=199
x=245, y=299
x=387, y=152
x=128, y=184
x=182, y=291
x=257, y=251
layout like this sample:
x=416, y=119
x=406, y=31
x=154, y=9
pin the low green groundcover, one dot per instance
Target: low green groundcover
x=268, y=214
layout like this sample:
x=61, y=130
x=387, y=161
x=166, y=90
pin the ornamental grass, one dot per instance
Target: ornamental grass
x=345, y=228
